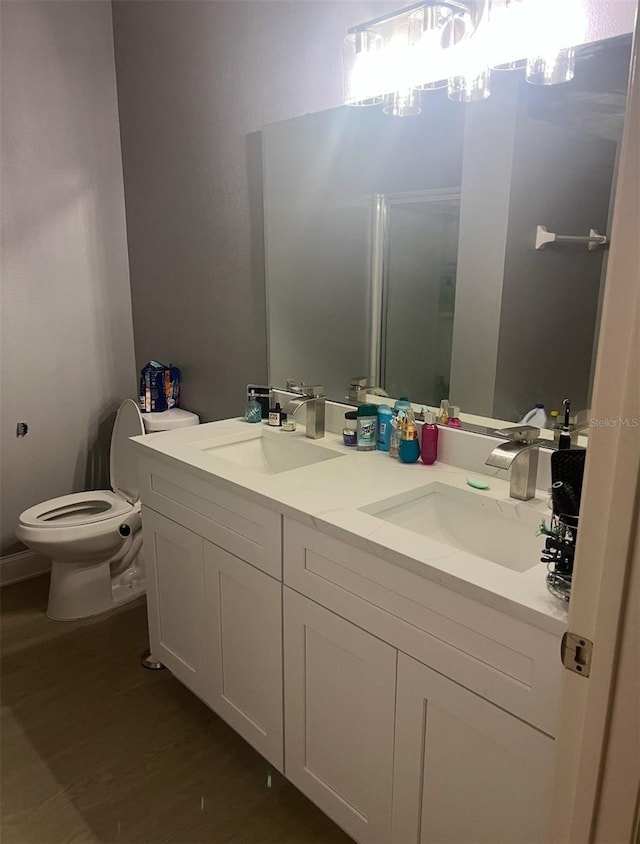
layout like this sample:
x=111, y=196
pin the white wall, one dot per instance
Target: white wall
x=67, y=340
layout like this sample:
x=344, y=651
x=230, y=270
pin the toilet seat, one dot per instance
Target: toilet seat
x=81, y=508
x=98, y=511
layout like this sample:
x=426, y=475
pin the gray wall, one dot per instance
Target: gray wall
x=67, y=341
x=484, y=217
x=561, y=179
x=196, y=81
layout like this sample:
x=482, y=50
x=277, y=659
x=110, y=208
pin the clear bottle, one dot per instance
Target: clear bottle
x=394, y=441
x=555, y=424
x=443, y=416
x=349, y=432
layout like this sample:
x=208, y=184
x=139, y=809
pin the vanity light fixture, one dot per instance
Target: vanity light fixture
x=402, y=103
x=458, y=44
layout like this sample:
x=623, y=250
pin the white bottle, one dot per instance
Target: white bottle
x=536, y=417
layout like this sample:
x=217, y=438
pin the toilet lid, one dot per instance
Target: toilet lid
x=123, y=464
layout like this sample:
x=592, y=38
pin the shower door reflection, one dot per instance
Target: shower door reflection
x=418, y=293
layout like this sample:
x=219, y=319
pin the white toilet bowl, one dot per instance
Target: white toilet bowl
x=94, y=539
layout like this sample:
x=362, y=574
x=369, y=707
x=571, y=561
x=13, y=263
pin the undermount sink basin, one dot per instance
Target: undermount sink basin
x=270, y=454
x=467, y=521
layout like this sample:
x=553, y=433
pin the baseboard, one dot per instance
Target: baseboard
x=20, y=566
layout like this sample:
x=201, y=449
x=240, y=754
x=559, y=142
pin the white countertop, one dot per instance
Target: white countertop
x=328, y=496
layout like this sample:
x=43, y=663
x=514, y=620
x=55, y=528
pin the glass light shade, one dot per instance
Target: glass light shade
x=506, y=35
x=429, y=30
x=470, y=88
x=552, y=70
x=362, y=68
x=402, y=103
x=516, y=65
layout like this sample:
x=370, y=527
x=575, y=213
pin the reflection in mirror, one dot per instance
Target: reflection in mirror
x=419, y=287
x=403, y=249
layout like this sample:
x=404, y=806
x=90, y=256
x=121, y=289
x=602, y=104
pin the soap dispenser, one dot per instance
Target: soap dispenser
x=409, y=448
x=252, y=409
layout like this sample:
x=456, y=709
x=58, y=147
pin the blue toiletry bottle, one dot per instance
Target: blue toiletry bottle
x=409, y=447
x=385, y=415
x=403, y=404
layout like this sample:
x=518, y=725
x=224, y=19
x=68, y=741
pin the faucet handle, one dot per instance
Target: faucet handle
x=519, y=433
x=314, y=391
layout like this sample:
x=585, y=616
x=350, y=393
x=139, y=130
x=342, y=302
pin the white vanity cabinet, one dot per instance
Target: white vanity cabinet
x=466, y=764
x=215, y=620
x=340, y=686
x=464, y=769
x=406, y=708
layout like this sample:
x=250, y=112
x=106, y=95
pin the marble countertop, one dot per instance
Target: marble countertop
x=328, y=496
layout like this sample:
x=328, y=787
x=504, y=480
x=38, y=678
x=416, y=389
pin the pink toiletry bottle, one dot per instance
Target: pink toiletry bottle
x=429, y=450
x=454, y=417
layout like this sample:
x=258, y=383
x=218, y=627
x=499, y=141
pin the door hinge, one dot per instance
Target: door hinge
x=576, y=652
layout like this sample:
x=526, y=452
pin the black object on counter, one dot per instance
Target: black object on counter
x=564, y=442
x=568, y=467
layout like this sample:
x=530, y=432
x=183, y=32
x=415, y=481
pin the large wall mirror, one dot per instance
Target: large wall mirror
x=404, y=249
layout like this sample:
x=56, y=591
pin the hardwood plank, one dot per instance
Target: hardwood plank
x=96, y=749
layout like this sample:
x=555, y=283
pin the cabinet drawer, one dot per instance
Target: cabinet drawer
x=506, y=661
x=243, y=528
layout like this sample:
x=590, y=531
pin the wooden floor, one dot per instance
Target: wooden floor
x=96, y=748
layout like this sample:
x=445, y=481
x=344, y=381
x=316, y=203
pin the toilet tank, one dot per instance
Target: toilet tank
x=167, y=420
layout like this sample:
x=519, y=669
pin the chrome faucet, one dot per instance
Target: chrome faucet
x=314, y=402
x=520, y=454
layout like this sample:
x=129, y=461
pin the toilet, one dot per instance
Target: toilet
x=94, y=539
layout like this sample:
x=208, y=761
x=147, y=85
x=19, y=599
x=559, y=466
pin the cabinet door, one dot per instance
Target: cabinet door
x=464, y=769
x=244, y=625
x=339, y=717
x=176, y=602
